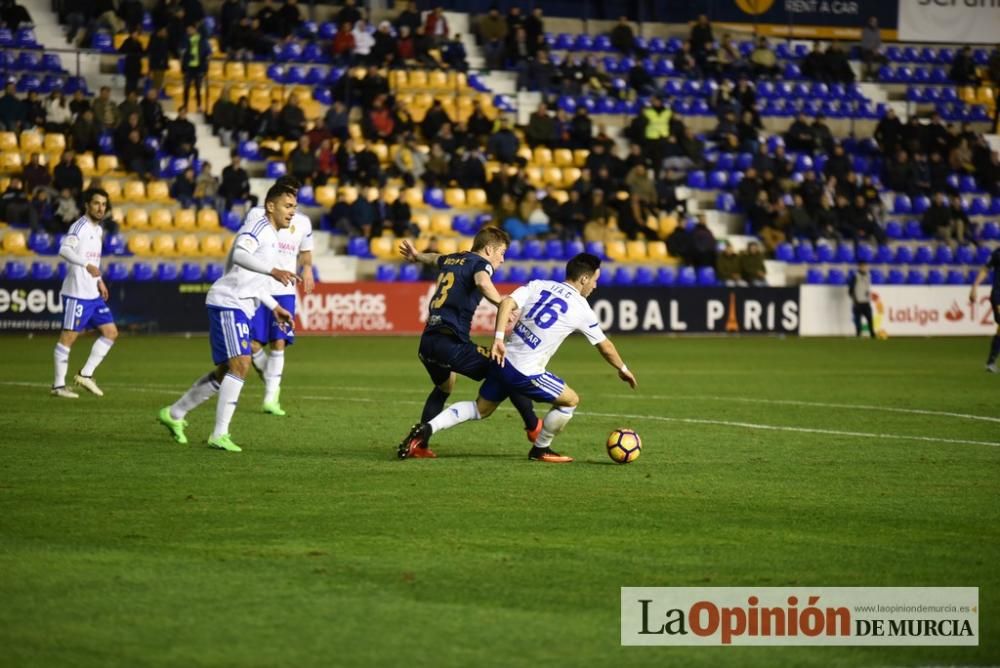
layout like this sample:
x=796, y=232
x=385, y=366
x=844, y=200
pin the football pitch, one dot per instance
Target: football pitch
x=766, y=462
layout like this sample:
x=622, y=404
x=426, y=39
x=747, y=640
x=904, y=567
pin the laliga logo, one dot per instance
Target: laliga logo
x=754, y=7
x=954, y=314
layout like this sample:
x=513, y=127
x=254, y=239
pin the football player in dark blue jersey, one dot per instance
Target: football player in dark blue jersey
x=445, y=346
x=992, y=265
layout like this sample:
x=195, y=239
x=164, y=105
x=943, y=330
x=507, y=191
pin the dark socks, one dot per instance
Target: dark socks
x=434, y=404
x=994, y=349
x=524, y=407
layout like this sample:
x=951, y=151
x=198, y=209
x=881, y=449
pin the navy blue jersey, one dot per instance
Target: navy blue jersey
x=456, y=298
x=993, y=264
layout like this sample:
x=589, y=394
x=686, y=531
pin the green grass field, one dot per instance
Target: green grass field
x=766, y=462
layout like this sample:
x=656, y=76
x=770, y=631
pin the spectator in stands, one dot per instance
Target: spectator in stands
x=704, y=248
x=960, y=158
x=641, y=81
x=66, y=210
x=409, y=18
x=730, y=61
x=727, y=267
x=426, y=53
x=35, y=175
x=366, y=167
x=685, y=64
x=362, y=215
x=632, y=214
x=181, y=136
x=763, y=62
x=799, y=136
x=436, y=26
x=504, y=144
x=410, y=162
x=469, y=166
x=363, y=41
x=293, y=119
x=85, y=133
x=871, y=49
x=863, y=223
x=343, y=45
x=538, y=73
x=519, y=51
x=194, y=56
x=34, y=111
x=802, y=223
x=601, y=222
x=230, y=15
x=963, y=68
x=623, y=37
x=15, y=208
x=79, y=104
x=106, y=112
x=570, y=217
x=132, y=49
x=479, y=125
x=960, y=227
x=235, y=186
x=136, y=157
x=639, y=184
x=492, y=33
x=383, y=51
x=271, y=124
x=531, y=221
x=223, y=118
x=657, y=128
x=702, y=41
x=454, y=55
x=183, y=188
x=438, y=167
x=130, y=105
x=541, y=129
x=405, y=54
x=936, y=221
x=349, y=14
x=302, y=161
x=752, y=267
x=889, y=132
x=58, y=116
x=158, y=53
x=289, y=18
x=336, y=119
x=993, y=66
x=12, y=110
x=66, y=175
x=122, y=132
x=373, y=85
x=899, y=174
x=247, y=120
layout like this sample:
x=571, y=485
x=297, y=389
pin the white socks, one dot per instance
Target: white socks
x=97, y=353
x=229, y=396
x=259, y=360
x=202, y=390
x=457, y=413
x=553, y=423
x=61, y=357
x=272, y=375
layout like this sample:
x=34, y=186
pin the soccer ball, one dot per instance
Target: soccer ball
x=624, y=445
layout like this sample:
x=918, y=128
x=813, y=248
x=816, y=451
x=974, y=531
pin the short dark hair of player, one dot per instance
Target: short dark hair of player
x=581, y=265
x=289, y=181
x=91, y=193
x=275, y=192
x=490, y=236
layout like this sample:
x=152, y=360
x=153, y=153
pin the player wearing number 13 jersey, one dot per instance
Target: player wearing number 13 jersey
x=445, y=346
x=550, y=312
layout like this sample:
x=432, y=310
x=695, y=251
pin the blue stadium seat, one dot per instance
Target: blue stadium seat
x=913, y=230
x=814, y=276
x=784, y=252
x=408, y=272
x=878, y=276
x=213, y=272
x=276, y=169
x=955, y=277
x=595, y=248
x=921, y=203
x=893, y=229
x=978, y=206
x=514, y=250
x=923, y=255
x=41, y=242
x=990, y=231
x=718, y=179
x=167, y=271
x=42, y=271
x=554, y=249
x=725, y=202
x=538, y=273
x=102, y=41
x=935, y=277
x=896, y=277
x=943, y=254
x=623, y=276
x=966, y=254
x=142, y=271
x=744, y=161
x=836, y=277
x=687, y=277
x=517, y=274
x=116, y=271
x=327, y=30
x=904, y=255
x=902, y=204
x=482, y=219
x=825, y=253
x=357, y=246
x=435, y=197
x=386, y=272
x=464, y=225
x=558, y=273
x=644, y=276
x=915, y=277
x=231, y=221
x=845, y=253
x=190, y=272
x=500, y=274
x=971, y=276
x=883, y=254
x=533, y=250
x=696, y=179
x=804, y=252
x=706, y=276
x=666, y=276
x=865, y=253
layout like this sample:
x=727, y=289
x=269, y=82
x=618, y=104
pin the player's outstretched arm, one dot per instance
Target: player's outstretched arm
x=484, y=282
x=980, y=277
x=409, y=251
x=243, y=257
x=499, y=351
x=610, y=354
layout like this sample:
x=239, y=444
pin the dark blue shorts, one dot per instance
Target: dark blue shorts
x=81, y=314
x=228, y=333
x=443, y=353
x=503, y=381
x=265, y=326
x=995, y=303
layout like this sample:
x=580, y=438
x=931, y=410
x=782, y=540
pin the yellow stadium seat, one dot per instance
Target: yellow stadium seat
x=325, y=196
x=657, y=250
x=413, y=197
x=227, y=244
x=967, y=94
x=287, y=147
x=347, y=194
x=236, y=91
x=533, y=175
x=390, y=194
x=354, y=131
x=580, y=156
x=455, y=198
x=437, y=79
x=492, y=169
x=208, y=220
x=184, y=219
x=158, y=191
x=106, y=164
x=552, y=176
x=139, y=244
x=447, y=245
x=15, y=242
x=10, y=163
x=542, y=156
x=475, y=197
x=560, y=196
x=118, y=216
x=465, y=244
x=137, y=218
x=113, y=189
x=161, y=219
x=384, y=248
x=187, y=245
x=259, y=100
x=423, y=100
x=985, y=96
x=8, y=142
x=272, y=145
x=562, y=157
x=397, y=79
x=667, y=225
x=85, y=161
x=441, y=224
x=422, y=221
x=163, y=245
x=381, y=152
x=216, y=72
x=615, y=250
x=31, y=141
x=212, y=245
x=256, y=72
x=54, y=142
x=635, y=251
x=174, y=91
x=135, y=191
x=524, y=152
x=174, y=69
x=417, y=79
x=370, y=194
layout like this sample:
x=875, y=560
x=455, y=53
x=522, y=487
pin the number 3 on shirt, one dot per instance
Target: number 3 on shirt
x=544, y=311
x=445, y=282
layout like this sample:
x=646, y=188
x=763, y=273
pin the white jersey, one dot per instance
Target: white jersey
x=241, y=288
x=85, y=238
x=550, y=312
x=297, y=238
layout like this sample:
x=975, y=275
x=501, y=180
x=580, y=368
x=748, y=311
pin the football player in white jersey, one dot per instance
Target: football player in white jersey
x=232, y=301
x=550, y=311
x=295, y=246
x=84, y=297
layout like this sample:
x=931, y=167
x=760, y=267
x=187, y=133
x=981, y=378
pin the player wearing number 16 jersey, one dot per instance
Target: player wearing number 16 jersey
x=550, y=312
x=232, y=301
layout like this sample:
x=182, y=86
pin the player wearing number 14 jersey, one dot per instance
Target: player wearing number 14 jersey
x=550, y=312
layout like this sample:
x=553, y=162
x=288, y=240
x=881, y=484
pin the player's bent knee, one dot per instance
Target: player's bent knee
x=109, y=332
x=449, y=384
x=568, y=398
x=278, y=344
x=239, y=366
x=485, y=408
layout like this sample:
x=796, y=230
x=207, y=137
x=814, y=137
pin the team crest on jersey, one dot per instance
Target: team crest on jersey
x=244, y=345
